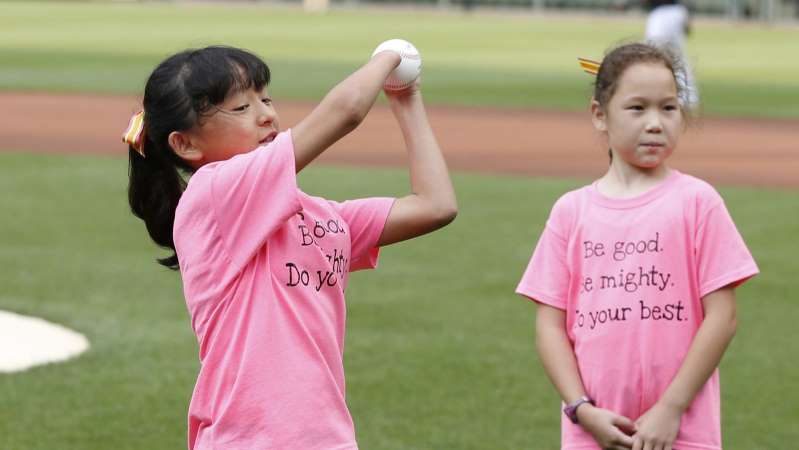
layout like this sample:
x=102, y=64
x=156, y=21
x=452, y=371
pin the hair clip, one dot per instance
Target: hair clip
x=589, y=66
x=134, y=134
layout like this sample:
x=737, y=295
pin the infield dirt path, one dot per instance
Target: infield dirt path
x=525, y=142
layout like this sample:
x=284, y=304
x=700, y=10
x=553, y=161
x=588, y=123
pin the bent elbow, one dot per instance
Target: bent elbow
x=349, y=115
x=732, y=326
x=443, y=215
x=344, y=109
x=355, y=113
x=354, y=108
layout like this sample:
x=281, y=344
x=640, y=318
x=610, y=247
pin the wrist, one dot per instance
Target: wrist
x=672, y=405
x=572, y=409
x=583, y=412
x=410, y=96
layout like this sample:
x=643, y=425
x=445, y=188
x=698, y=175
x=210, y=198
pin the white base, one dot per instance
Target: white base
x=26, y=342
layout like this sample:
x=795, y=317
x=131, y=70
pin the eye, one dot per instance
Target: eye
x=267, y=100
x=241, y=108
x=635, y=107
x=670, y=107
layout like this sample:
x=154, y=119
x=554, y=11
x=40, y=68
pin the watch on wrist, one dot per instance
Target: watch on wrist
x=571, y=409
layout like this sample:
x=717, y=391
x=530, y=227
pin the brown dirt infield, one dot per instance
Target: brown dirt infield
x=525, y=142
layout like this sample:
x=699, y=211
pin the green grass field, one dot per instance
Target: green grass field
x=439, y=349
x=525, y=61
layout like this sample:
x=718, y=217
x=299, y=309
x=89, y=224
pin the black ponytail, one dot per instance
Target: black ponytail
x=153, y=193
x=178, y=93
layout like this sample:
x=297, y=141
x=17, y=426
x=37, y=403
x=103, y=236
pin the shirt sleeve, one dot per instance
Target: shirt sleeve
x=546, y=279
x=722, y=255
x=253, y=194
x=365, y=219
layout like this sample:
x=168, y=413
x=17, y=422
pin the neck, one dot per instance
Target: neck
x=623, y=180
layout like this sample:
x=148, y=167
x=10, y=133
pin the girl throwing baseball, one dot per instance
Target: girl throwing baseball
x=634, y=276
x=264, y=265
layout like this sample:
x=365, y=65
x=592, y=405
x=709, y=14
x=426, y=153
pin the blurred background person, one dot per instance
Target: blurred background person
x=668, y=25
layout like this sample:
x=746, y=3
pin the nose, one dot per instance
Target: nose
x=266, y=114
x=654, y=123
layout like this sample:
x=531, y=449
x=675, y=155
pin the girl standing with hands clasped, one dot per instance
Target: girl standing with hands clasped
x=264, y=265
x=634, y=277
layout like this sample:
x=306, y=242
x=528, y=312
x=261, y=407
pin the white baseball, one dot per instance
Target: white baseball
x=409, y=68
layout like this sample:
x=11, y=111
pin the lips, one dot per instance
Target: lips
x=652, y=147
x=269, y=138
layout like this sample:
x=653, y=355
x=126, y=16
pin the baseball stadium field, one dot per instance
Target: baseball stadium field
x=440, y=351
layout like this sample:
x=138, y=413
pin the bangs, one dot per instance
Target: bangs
x=247, y=71
x=216, y=72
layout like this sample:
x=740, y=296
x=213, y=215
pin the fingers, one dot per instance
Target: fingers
x=621, y=440
x=411, y=89
x=624, y=424
x=617, y=447
x=640, y=443
x=392, y=57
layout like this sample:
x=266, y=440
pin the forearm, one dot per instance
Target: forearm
x=557, y=356
x=429, y=176
x=705, y=352
x=342, y=109
x=359, y=91
x=609, y=429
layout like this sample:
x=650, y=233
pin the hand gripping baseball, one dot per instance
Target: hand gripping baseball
x=409, y=68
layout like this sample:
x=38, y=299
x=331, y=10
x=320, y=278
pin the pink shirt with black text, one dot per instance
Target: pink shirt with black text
x=630, y=275
x=264, y=269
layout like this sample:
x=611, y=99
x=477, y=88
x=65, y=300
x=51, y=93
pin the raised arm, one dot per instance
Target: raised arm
x=431, y=204
x=342, y=109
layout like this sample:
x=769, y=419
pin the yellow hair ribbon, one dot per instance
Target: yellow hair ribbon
x=589, y=66
x=134, y=134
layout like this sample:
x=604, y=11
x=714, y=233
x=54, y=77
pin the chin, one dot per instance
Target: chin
x=649, y=165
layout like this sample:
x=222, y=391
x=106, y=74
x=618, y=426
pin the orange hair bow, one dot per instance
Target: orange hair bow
x=134, y=134
x=589, y=66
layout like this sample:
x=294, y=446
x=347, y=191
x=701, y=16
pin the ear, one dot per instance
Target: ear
x=181, y=144
x=598, y=116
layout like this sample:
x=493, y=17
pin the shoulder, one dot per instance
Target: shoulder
x=198, y=195
x=696, y=197
x=572, y=200
x=566, y=210
x=196, y=191
x=691, y=187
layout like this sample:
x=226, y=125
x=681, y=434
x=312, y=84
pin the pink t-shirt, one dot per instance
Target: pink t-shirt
x=630, y=274
x=264, y=270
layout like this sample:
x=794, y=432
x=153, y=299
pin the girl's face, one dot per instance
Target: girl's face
x=643, y=119
x=241, y=123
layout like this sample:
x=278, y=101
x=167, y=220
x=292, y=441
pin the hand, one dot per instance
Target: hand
x=657, y=428
x=610, y=430
x=412, y=90
x=393, y=57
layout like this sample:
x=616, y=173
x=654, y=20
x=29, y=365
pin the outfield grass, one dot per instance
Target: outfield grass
x=526, y=61
x=439, y=349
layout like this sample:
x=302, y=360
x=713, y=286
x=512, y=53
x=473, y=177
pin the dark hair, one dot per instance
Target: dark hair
x=622, y=57
x=180, y=91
